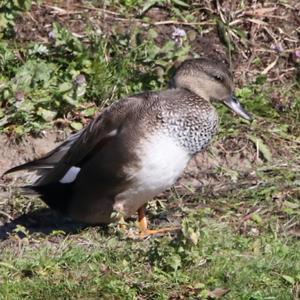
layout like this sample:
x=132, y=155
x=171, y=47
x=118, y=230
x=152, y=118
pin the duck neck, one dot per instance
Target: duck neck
x=199, y=91
x=185, y=83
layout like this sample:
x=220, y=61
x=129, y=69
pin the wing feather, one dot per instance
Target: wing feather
x=70, y=153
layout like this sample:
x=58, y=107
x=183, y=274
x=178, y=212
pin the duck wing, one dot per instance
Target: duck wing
x=54, y=165
x=49, y=160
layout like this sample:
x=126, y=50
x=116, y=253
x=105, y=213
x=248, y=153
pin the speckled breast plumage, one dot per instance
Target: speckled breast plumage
x=193, y=123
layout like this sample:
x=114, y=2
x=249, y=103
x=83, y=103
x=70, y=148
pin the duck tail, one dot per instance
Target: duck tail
x=56, y=195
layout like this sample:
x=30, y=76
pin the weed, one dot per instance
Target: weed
x=9, y=9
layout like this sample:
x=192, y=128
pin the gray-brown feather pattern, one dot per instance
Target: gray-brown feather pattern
x=191, y=120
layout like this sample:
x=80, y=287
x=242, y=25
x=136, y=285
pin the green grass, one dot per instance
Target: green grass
x=241, y=244
x=250, y=267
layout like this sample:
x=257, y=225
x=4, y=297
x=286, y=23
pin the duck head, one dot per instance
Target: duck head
x=211, y=80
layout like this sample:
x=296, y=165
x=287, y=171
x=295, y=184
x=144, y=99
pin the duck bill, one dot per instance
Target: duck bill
x=235, y=105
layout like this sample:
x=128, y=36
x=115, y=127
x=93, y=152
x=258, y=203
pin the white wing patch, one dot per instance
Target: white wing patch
x=112, y=133
x=71, y=175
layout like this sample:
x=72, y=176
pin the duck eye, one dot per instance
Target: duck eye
x=218, y=77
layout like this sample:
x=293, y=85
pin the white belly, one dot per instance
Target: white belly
x=163, y=162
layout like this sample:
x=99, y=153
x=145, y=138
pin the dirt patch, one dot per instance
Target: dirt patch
x=14, y=152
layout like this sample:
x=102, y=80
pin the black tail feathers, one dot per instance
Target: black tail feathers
x=56, y=195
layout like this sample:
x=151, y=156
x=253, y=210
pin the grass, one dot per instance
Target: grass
x=240, y=245
x=240, y=225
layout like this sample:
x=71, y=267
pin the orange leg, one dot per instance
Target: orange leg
x=143, y=225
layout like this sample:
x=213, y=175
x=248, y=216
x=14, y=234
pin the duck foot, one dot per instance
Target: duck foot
x=159, y=231
x=122, y=225
x=143, y=226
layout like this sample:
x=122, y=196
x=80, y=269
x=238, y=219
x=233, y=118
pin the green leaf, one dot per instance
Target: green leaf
x=289, y=279
x=168, y=46
x=244, y=93
x=39, y=49
x=7, y=265
x=89, y=112
x=26, y=106
x=148, y=5
x=152, y=33
x=65, y=39
x=70, y=100
x=3, y=120
x=291, y=204
x=261, y=146
x=256, y=218
x=42, y=72
x=47, y=115
x=76, y=125
x=174, y=261
x=19, y=130
x=65, y=87
x=181, y=3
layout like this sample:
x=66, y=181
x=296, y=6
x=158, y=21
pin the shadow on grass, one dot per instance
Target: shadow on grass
x=43, y=221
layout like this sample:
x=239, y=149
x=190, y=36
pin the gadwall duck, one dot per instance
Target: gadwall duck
x=136, y=148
